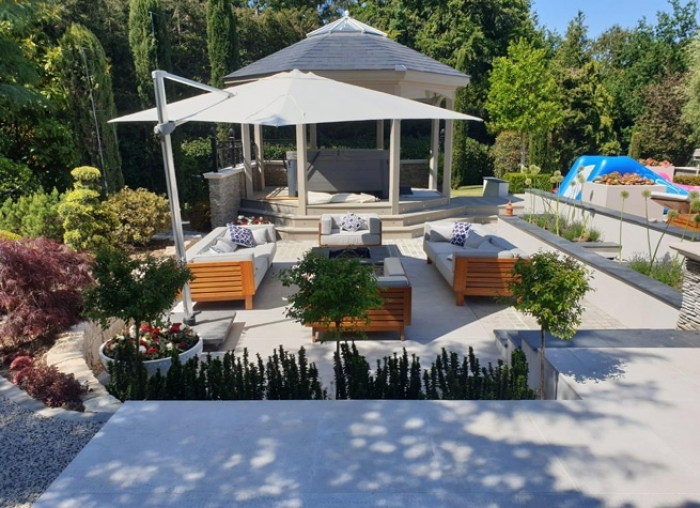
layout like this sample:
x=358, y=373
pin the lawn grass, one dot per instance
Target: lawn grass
x=467, y=191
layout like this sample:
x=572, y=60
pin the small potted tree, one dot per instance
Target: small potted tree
x=550, y=289
x=333, y=295
x=140, y=292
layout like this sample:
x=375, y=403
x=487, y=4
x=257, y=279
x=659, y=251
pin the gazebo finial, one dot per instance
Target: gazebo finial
x=346, y=24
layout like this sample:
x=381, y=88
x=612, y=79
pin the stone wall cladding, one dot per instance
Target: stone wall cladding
x=689, y=316
x=226, y=188
x=275, y=174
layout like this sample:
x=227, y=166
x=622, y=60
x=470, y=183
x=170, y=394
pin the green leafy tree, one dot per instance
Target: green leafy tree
x=337, y=293
x=587, y=124
x=84, y=73
x=633, y=59
x=88, y=222
x=661, y=131
x=506, y=153
x=34, y=134
x=550, y=289
x=134, y=290
x=264, y=33
x=691, y=108
x=523, y=96
x=221, y=40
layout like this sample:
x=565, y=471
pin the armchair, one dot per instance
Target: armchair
x=330, y=232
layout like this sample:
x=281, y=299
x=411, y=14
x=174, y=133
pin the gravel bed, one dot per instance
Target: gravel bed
x=34, y=450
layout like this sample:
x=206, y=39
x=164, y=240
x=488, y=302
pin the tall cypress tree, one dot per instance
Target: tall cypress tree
x=222, y=40
x=150, y=45
x=85, y=76
x=149, y=42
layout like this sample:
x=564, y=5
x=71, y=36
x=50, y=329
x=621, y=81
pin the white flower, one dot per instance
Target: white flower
x=169, y=346
x=142, y=349
x=132, y=331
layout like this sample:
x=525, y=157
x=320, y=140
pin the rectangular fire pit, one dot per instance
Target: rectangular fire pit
x=368, y=255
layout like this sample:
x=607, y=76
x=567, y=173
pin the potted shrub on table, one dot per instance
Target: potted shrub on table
x=333, y=295
x=140, y=292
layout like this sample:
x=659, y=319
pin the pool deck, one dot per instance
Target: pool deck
x=631, y=440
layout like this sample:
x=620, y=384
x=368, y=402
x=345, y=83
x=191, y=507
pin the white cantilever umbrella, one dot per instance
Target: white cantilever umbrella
x=288, y=98
x=296, y=98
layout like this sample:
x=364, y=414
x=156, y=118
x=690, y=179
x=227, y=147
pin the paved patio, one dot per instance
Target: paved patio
x=631, y=442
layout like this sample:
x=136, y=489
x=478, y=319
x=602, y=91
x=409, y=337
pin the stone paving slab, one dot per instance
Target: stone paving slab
x=386, y=453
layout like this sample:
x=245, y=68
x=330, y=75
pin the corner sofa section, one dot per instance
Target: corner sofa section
x=397, y=300
x=331, y=234
x=481, y=268
x=234, y=275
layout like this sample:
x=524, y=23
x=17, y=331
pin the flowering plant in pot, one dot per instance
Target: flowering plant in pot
x=242, y=220
x=139, y=292
x=155, y=342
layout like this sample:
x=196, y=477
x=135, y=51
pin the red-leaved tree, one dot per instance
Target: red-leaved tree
x=41, y=283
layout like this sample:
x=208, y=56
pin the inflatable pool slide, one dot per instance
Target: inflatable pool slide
x=593, y=166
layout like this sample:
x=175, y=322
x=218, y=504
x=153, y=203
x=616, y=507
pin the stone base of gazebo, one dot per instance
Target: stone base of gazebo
x=227, y=193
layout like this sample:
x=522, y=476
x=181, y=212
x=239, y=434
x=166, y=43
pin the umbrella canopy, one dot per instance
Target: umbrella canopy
x=296, y=98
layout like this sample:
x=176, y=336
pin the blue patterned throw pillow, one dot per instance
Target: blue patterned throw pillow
x=460, y=231
x=351, y=222
x=241, y=236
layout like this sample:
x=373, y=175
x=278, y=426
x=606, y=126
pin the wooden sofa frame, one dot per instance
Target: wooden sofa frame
x=394, y=314
x=475, y=276
x=223, y=281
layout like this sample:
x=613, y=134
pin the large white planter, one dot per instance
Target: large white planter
x=152, y=366
x=609, y=197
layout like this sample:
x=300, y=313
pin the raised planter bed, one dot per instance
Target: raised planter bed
x=637, y=301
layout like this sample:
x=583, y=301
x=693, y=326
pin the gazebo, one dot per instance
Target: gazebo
x=349, y=51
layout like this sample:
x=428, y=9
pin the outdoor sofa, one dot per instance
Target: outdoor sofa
x=332, y=234
x=482, y=267
x=395, y=313
x=227, y=271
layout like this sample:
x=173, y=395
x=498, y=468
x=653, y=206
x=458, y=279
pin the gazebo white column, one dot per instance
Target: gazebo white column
x=434, y=155
x=380, y=134
x=301, y=169
x=257, y=133
x=447, y=159
x=247, y=164
x=394, y=165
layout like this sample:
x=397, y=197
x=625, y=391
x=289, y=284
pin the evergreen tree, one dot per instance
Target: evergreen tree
x=150, y=45
x=222, y=41
x=661, y=133
x=85, y=75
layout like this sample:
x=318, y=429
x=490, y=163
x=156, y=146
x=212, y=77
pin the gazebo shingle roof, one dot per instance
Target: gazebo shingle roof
x=345, y=46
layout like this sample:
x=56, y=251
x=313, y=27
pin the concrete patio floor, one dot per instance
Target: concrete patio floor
x=631, y=441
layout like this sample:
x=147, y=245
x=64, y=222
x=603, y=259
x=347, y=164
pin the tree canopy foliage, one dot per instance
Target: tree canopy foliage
x=626, y=91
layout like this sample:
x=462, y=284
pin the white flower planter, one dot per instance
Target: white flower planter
x=163, y=363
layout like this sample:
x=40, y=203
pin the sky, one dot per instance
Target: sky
x=600, y=14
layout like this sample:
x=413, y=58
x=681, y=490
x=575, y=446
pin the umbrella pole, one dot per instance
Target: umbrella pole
x=164, y=129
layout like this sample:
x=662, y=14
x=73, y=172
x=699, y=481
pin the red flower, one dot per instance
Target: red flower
x=175, y=327
x=145, y=328
x=143, y=343
x=151, y=350
x=180, y=345
x=155, y=333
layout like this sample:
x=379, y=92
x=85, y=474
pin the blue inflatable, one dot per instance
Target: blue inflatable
x=593, y=166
